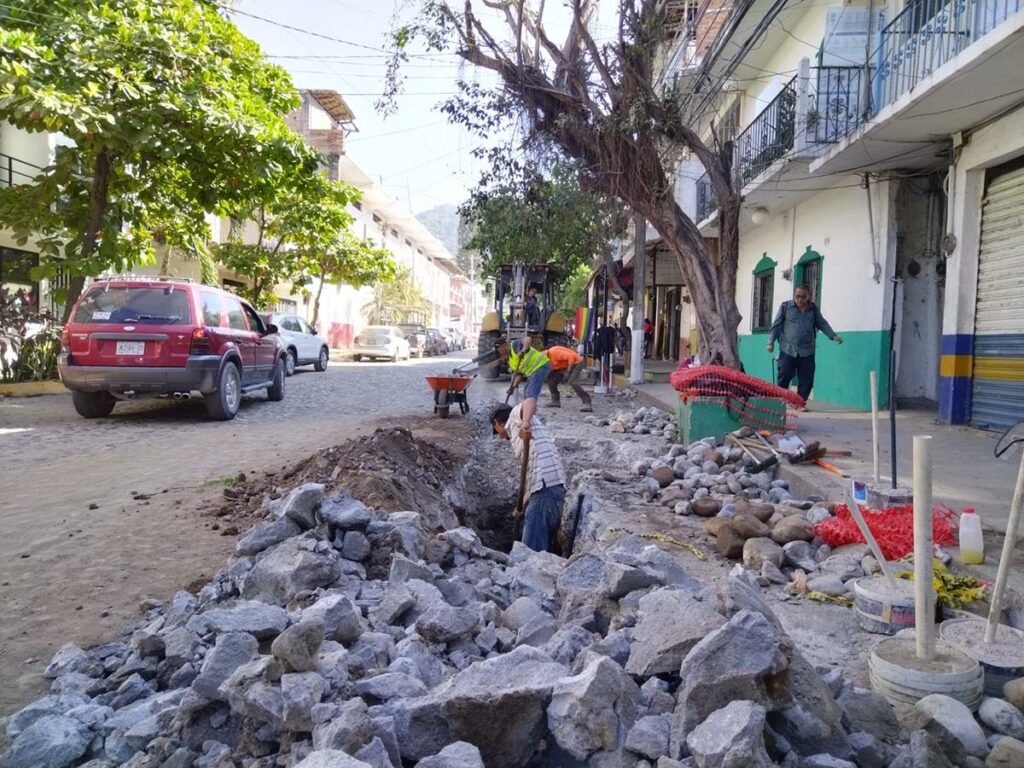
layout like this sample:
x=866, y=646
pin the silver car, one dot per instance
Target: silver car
x=381, y=341
x=305, y=346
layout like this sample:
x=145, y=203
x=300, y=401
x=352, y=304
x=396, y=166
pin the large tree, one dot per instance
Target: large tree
x=602, y=103
x=167, y=113
x=349, y=260
x=398, y=300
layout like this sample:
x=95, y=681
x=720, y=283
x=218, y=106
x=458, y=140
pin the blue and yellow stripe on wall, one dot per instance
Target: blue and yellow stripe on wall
x=955, y=368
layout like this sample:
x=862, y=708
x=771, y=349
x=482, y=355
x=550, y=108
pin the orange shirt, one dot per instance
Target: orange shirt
x=562, y=358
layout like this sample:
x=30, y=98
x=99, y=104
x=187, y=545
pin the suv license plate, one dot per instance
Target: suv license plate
x=131, y=347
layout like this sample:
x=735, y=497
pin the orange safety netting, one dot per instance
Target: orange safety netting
x=752, y=401
x=893, y=528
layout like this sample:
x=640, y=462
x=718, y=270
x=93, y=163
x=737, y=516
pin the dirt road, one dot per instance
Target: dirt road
x=95, y=515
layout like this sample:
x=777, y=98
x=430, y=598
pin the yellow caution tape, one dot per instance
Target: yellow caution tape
x=821, y=597
x=665, y=538
x=952, y=591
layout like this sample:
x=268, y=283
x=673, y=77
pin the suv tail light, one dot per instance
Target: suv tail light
x=200, y=342
x=65, y=340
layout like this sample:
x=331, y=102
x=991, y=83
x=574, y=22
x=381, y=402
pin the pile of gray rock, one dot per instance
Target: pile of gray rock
x=643, y=421
x=753, y=517
x=463, y=656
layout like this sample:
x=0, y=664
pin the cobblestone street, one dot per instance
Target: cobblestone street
x=98, y=514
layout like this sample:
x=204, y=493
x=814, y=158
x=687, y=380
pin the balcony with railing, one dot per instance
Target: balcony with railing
x=16, y=171
x=770, y=136
x=941, y=66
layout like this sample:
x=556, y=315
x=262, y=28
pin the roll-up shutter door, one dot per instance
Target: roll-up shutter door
x=997, y=399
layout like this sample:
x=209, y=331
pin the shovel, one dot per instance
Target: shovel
x=518, y=516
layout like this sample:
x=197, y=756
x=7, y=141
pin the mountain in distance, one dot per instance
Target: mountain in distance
x=443, y=222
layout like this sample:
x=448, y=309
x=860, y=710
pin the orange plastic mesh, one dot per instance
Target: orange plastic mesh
x=893, y=528
x=747, y=398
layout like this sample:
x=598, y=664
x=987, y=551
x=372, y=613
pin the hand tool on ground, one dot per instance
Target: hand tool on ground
x=760, y=465
x=831, y=468
x=809, y=452
x=769, y=446
x=519, y=513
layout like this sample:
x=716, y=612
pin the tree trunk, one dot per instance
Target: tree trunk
x=97, y=210
x=316, y=301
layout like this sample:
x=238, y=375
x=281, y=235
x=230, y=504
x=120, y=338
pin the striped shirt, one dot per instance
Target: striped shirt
x=545, y=468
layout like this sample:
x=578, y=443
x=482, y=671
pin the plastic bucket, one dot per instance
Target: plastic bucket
x=897, y=674
x=881, y=611
x=1002, y=661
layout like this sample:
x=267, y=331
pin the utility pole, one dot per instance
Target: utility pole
x=636, y=356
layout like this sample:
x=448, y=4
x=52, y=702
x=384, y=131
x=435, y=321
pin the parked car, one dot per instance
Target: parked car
x=130, y=337
x=456, y=341
x=381, y=341
x=436, y=342
x=416, y=334
x=303, y=344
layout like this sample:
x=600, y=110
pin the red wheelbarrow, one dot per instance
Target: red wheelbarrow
x=449, y=389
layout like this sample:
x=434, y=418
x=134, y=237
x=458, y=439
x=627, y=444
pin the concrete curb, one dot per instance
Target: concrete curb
x=32, y=389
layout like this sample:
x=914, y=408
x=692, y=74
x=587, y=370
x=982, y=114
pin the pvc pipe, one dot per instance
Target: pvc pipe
x=924, y=590
x=869, y=537
x=1007, y=556
x=873, y=383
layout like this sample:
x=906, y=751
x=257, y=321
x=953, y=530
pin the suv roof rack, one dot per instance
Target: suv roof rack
x=143, y=278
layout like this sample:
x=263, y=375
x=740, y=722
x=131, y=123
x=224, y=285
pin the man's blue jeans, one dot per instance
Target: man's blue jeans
x=535, y=382
x=543, y=516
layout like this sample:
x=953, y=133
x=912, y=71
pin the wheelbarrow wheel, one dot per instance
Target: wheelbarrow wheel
x=443, y=411
x=442, y=405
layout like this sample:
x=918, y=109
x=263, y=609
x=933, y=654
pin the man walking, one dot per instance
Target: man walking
x=566, y=366
x=795, y=326
x=525, y=362
x=544, y=492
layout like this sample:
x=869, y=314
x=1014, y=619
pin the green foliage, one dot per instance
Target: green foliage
x=29, y=341
x=398, y=301
x=521, y=213
x=574, y=292
x=168, y=113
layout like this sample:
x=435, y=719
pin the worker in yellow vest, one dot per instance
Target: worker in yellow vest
x=525, y=362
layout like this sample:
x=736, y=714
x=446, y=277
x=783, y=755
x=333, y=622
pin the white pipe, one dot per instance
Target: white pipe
x=869, y=537
x=873, y=383
x=1005, y=559
x=924, y=590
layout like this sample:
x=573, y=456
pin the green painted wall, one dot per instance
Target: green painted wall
x=841, y=371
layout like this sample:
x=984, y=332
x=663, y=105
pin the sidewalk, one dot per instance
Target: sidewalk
x=965, y=472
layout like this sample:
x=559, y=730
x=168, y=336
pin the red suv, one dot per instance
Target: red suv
x=134, y=336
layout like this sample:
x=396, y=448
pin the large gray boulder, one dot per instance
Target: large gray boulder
x=302, y=503
x=299, y=645
x=260, y=620
x=869, y=712
x=499, y=705
x=349, y=730
x=300, y=692
x=289, y=568
x=956, y=718
x=731, y=737
x=457, y=755
x=331, y=758
x=443, y=623
x=341, y=618
x=649, y=736
x=741, y=660
x=265, y=535
x=343, y=511
x=233, y=649
x=52, y=741
x=594, y=710
x=1002, y=717
x=671, y=622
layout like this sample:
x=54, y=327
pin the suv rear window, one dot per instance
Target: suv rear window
x=145, y=304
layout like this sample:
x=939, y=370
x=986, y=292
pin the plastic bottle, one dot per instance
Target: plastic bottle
x=972, y=543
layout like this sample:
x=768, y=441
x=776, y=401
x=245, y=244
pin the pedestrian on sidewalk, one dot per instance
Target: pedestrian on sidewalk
x=648, y=336
x=525, y=362
x=795, y=327
x=544, y=493
x=566, y=366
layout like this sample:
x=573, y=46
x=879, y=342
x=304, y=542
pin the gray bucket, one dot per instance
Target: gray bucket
x=881, y=611
x=1003, y=661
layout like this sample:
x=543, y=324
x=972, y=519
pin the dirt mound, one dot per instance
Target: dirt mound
x=391, y=470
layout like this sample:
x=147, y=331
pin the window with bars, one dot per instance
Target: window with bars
x=808, y=272
x=764, y=294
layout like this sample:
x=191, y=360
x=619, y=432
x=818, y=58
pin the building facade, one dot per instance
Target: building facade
x=876, y=146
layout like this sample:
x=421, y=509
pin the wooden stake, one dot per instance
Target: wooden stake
x=873, y=383
x=924, y=590
x=1006, y=558
x=869, y=537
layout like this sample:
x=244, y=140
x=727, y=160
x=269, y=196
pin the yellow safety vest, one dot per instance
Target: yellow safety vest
x=525, y=363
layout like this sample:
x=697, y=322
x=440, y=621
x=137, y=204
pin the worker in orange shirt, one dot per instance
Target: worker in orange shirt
x=567, y=366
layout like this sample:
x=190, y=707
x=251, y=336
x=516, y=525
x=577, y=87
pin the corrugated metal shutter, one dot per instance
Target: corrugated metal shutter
x=997, y=399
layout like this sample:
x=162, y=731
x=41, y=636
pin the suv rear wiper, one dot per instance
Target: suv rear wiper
x=165, y=318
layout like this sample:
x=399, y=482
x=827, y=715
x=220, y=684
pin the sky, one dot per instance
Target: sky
x=421, y=159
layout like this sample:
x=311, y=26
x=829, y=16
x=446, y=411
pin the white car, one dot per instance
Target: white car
x=305, y=346
x=381, y=341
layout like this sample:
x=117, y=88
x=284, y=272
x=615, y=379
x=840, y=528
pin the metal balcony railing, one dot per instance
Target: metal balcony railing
x=928, y=34
x=14, y=171
x=838, y=106
x=707, y=201
x=770, y=135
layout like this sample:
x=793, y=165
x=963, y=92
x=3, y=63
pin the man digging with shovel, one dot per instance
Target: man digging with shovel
x=542, y=483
